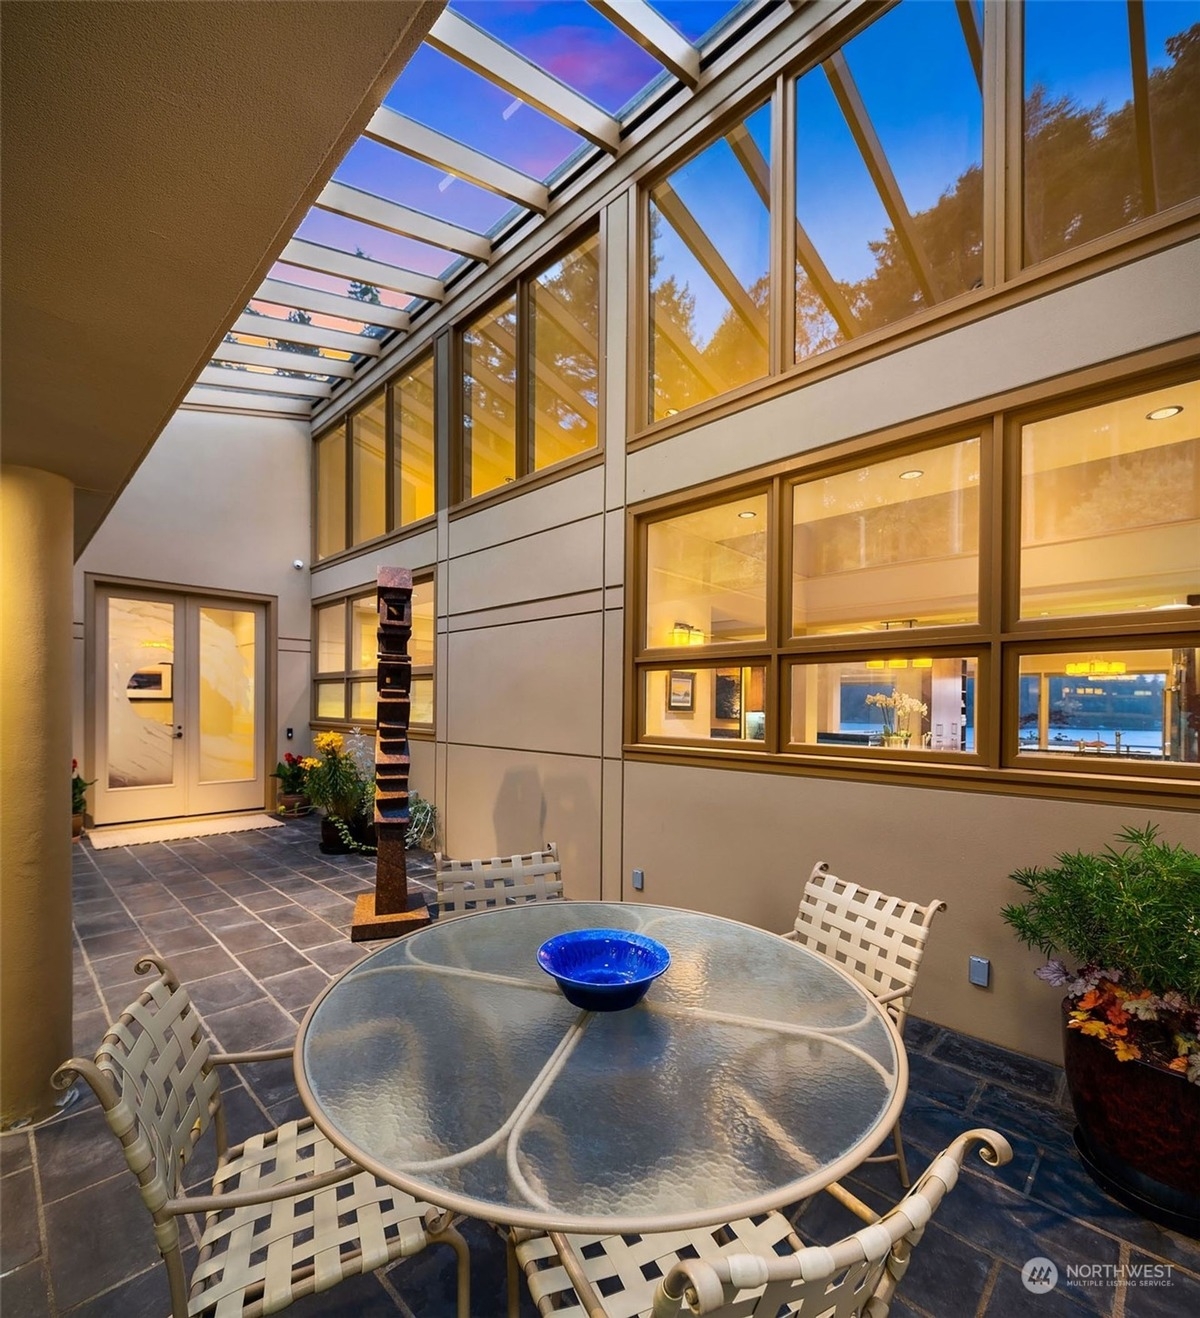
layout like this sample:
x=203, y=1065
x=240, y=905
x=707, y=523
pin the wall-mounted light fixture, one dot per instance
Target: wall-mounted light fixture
x=1097, y=668
x=683, y=633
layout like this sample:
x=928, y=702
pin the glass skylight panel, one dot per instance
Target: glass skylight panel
x=276, y=311
x=378, y=169
x=295, y=274
x=572, y=42
x=698, y=20
x=440, y=92
x=354, y=236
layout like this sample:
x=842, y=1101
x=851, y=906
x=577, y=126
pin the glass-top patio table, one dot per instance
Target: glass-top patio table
x=753, y=1073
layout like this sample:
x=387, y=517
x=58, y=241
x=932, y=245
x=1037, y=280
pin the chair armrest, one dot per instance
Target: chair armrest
x=215, y=1203
x=265, y=1055
x=791, y=935
x=894, y=996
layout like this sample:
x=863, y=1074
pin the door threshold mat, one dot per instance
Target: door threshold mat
x=176, y=830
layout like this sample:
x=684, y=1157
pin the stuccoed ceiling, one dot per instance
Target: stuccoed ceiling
x=157, y=156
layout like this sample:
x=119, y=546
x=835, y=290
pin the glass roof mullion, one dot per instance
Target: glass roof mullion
x=313, y=336
x=491, y=59
x=281, y=360
x=655, y=35
x=329, y=261
x=364, y=206
x=441, y=152
x=282, y=294
x=222, y=378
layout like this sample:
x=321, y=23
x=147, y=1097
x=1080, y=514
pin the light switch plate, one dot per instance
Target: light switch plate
x=639, y=880
x=979, y=971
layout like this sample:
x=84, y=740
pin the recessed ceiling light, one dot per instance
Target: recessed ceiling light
x=1161, y=413
x=747, y=514
x=911, y=475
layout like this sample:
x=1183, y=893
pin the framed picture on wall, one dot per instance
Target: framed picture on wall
x=681, y=692
x=152, y=683
x=727, y=694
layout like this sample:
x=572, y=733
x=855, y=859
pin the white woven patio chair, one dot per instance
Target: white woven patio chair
x=288, y=1215
x=477, y=885
x=878, y=939
x=751, y=1269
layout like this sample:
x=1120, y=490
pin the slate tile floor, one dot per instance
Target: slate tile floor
x=256, y=923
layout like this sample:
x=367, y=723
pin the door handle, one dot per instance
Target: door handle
x=177, y=732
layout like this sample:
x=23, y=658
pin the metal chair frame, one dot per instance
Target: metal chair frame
x=478, y=885
x=750, y=1269
x=288, y=1215
x=878, y=939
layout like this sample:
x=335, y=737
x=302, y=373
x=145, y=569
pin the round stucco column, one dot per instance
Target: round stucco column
x=36, y=548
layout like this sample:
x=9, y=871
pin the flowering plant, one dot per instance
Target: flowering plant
x=336, y=779
x=78, y=789
x=897, y=710
x=291, y=772
x=1132, y=919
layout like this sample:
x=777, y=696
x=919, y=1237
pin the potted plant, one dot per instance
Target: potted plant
x=337, y=783
x=292, y=773
x=897, y=710
x=1130, y=919
x=79, y=788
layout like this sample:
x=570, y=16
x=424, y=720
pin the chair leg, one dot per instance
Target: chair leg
x=514, y=1276
x=901, y=1163
x=450, y=1236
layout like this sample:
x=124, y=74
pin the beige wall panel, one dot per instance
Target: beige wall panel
x=219, y=502
x=417, y=552
x=742, y=845
x=611, y=823
x=293, y=700
x=614, y=678
x=422, y=774
x=536, y=686
x=566, y=500
x=500, y=802
x=1158, y=300
x=441, y=679
x=588, y=602
x=563, y=561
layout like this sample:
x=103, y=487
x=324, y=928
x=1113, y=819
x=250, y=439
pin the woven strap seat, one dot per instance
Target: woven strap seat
x=476, y=885
x=288, y=1215
x=749, y=1269
x=878, y=939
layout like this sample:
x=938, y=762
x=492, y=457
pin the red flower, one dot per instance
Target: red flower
x=74, y=765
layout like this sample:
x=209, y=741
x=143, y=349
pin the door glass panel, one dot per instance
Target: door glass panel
x=141, y=706
x=228, y=650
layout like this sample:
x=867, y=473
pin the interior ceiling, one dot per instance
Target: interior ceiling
x=157, y=157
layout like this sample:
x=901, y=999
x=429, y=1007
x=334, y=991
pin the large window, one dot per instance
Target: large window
x=1018, y=601
x=375, y=471
x=881, y=196
x=345, y=655
x=530, y=374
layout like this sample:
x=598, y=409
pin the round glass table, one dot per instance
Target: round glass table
x=752, y=1074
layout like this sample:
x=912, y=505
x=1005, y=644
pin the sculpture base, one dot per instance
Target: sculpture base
x=367, y=924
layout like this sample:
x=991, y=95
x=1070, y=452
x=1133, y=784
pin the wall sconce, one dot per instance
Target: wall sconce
x=683, y=633
x=899, y=663
x=1097, y=668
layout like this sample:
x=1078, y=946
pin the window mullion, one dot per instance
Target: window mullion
x=524, y=456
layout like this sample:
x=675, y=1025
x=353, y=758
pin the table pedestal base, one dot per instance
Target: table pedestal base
x=368, y=923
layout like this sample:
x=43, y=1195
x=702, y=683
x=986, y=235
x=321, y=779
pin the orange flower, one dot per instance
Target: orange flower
x=1092, y=998
x=1177, y=1064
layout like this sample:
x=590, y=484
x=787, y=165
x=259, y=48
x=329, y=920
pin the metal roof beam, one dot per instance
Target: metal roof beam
x=433, y=148
x=491, y=59
x=241, y=401
x=283, y=294
x=363, y=270
x=313, y=336
x=246, y=355
x=365, y=206
x=655, y=35
x=220, y=378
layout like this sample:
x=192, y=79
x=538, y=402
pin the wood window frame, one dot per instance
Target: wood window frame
x=346, y=676
x=996, y=641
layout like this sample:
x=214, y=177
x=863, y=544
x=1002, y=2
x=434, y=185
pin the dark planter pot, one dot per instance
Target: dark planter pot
x=363, y=832
x=1138, y=1132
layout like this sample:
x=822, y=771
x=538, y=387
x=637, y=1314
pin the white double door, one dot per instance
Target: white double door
x=178, y=702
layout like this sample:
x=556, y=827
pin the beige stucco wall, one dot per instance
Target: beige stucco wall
x=220, y=503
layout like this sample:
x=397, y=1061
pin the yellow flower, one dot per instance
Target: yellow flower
x=328, y=743
x=309, y=762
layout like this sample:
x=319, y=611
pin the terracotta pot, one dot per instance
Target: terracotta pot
x=293, y=803
x=1139, y=1130
x=77, y=825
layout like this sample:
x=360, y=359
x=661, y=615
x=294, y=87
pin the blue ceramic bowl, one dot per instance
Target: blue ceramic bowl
x=603, y=969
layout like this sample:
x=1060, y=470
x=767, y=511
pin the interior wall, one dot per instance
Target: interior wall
x=221, y=502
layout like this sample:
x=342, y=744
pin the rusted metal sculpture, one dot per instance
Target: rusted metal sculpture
x=389, y=911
